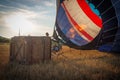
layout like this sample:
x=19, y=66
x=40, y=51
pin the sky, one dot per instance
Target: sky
x=29, y=17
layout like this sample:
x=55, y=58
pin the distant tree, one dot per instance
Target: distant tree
x=4, y=40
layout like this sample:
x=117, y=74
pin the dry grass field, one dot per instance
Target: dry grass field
x=68, y=64
x=4, y=53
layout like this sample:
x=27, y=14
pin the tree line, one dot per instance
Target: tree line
x=4, y=40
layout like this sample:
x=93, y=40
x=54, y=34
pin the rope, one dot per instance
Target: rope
x=110, y=29
x=99, y=4
x=106, y=9
x=110, y=7
x=99, y=38
x=109, y=20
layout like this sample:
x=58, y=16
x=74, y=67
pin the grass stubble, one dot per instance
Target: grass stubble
x=68, y=64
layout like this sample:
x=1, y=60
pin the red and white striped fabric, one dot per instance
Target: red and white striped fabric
x=82, y=18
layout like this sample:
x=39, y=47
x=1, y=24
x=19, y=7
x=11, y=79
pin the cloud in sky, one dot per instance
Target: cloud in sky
x=39, y=14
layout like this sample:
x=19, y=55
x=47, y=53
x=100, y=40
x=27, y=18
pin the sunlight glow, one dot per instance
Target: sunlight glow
x=20, y=21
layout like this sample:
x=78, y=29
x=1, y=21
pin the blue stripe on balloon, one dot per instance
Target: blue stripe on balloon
x=65, y=26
